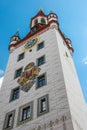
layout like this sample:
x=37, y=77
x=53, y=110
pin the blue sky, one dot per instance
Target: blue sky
x=72, y=16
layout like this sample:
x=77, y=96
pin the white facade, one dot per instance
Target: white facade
x=66, y=108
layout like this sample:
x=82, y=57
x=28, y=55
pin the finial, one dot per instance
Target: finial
x=17, y=33
x=40, y=9
x=51, y=11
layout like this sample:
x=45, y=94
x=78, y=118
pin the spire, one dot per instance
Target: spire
x=41, y=9
x=40, y=13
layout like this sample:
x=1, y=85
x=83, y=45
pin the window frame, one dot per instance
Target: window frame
x=5, y=126
x=39, y=48
x=35, y=21
x=43, y=21
x=20, y=119
x=39, y=112
x=15, y=75
x=45, y=81
x=37, y=61
x=12, y=92
x=19, y=59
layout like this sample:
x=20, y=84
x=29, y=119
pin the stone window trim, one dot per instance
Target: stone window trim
x=16, y=71
x=20, y=121
x=45, y=74
x=12, y=92
x=40, y=45
x=37, y=60
x=5, y=127
x=39, y=113
x=21, y=56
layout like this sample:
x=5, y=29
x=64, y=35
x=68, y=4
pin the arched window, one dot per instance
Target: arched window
x=36, y=21
x=43, y=21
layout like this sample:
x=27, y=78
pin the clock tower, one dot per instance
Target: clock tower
x=41, y=90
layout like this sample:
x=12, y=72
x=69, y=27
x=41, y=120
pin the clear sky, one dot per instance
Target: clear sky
x=72, y=15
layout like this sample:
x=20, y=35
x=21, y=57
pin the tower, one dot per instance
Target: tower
x=41, y=90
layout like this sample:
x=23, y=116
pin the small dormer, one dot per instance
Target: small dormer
x=38, y=21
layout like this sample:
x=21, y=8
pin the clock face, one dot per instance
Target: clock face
x=30, y=43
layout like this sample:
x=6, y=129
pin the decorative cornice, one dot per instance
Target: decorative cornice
x=30, y=35
x=38, y=32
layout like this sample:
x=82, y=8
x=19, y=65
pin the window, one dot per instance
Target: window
x=21, y=56
x=25, y=113
x=43, y=21
x=18, y=73
x=43, y=105
x=40, y=45
x=36, y=21
x=41, y=60
x=14, y=94
x=9, y=120
x=41, y=80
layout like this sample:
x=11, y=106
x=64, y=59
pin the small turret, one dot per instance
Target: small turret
x=13, y=40
x=53, y=19
x=69, y=45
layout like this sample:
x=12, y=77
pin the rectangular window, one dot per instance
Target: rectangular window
x=18, y=73
x=41, y=60
x=43, y=106
x=9, y=123
x=40, y=45
x=14, y=94
x=25, y=113
x=41, y=81
x=9, y=120
x=21, y=56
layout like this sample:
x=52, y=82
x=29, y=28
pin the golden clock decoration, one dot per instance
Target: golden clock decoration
x=28, y=77
x=31, y=43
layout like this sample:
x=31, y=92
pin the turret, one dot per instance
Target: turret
x=13, y=40
x=69, y=45
x=53, y=19
x=38, y=21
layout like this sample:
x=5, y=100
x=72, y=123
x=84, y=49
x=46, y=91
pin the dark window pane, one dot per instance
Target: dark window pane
x=36, y=21
x=41, y=81
x=21, y=56
x=18, y=72
x=26, y=113
x=41, y=60
x=43, y=21
x=15, y=94
x=40, y=45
